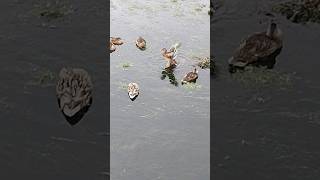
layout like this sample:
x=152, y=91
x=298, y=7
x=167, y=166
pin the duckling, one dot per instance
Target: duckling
x=112, y=48
x=190, y=77
x=74, y=93
x=258, y=49
x=141, y=43
x=116, y=41
x=133, y=91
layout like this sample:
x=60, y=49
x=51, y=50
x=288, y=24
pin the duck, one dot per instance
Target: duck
x=133, y=90
x=260, y=48
x=112, y=47
x=141, y=43
x=171, y=63
x=167, y=54
x=74, y=93
x=116, y=41
x=190, y=77
x=171, y=53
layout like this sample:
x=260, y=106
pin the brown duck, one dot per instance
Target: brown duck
x=171, y=63
x=141, y=43
x=258, y=49
x=116, y=41
x=74, y=93
x=112, y=47
x=190, y=77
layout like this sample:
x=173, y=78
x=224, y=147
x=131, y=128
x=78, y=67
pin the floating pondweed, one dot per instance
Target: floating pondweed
x=52, y=9
x=191, y=86
x=204, y=62
x=125, y=65
x=123, y=86
x=262, y=77
x=43, y=78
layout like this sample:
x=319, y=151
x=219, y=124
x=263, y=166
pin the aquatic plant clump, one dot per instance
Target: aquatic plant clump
x=300, y=11
x=52, y=9
x=191, y=86
x=46, y=77
x=206, y=63
x=125, y=65
x=262, y=77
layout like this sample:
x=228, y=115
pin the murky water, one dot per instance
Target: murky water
x=36, y=141
x=164, y=133
x=269, y=132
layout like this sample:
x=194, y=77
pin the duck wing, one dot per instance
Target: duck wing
x=256, y=46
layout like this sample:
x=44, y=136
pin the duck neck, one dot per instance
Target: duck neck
x=271, y=30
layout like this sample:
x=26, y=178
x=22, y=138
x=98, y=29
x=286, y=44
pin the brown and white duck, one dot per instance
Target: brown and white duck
x=133, y=90
x=190, y=77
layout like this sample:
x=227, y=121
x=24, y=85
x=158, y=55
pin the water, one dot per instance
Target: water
x=36, y=141
x=269, y=132
x=164, y=133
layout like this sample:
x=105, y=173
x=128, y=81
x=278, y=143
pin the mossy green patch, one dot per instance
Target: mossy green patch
x=191, y=86
x=260, y=77
x=300, y=11
x=51, y=10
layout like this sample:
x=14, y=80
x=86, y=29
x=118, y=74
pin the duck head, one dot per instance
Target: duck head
x=273, y=31
x=195, y=71
x=163, y=51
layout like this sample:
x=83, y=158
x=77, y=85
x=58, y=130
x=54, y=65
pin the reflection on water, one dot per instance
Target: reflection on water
x=169, y=72
x=163, y=134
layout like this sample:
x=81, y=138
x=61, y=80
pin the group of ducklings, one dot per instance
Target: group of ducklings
x=168, y=54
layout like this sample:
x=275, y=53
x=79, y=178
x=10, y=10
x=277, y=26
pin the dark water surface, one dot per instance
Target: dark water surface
x=36, y=140
x=270, y=132
x=164, y=133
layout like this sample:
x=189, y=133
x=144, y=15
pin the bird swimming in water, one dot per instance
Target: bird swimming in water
x=133, y=90
x=190, y=77
x=258, y=49
x=141, y=43
x=116, y=41
x=172, y=52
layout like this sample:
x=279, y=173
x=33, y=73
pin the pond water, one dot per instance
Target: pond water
x=164, y=133
x=265, y=132
x=36, y=140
